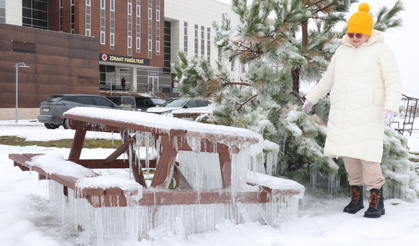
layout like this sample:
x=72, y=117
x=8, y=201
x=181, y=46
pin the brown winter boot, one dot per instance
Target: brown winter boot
x=376, y=208
x=357, y=202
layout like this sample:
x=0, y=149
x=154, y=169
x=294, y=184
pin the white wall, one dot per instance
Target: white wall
x=14, y=12
x=195, y=12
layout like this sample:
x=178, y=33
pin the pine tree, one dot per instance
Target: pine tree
x=399, y=171
x=275, y=49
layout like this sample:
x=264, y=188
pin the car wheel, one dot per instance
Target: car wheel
x=66, y=125
x=51, y=126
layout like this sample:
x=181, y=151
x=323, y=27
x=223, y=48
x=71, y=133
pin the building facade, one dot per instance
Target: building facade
x=135, y=39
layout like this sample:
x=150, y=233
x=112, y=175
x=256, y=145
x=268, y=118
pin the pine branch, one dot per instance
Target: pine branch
x=248, y=100
x=324, y=8
x=294, y=93
x=236, y=83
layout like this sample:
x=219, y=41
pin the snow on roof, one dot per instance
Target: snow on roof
x=165, y=124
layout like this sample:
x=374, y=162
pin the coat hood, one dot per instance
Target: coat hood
x=376, y=36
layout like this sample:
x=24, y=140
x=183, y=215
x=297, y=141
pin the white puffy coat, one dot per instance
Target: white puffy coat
x=362, y=82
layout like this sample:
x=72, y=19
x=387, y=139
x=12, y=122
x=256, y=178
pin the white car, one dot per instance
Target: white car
x=181, y=103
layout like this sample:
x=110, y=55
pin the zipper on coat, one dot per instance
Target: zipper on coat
x=344, y=102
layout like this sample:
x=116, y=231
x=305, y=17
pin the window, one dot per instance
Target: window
x=112, y=40
x=196, y=40
x=61, y=14
x=102, y=21
x=88, y=19
x=202, y=103
x=208, y=44
x=84, y=100
x=72, y=15
x=106, y=76
x=129, y=42
x=2, y=11
x=202, y=41
x=185, y=38
x=191, y=104
x=112, y=24
x=167, y=47
x=158, y=27
x=138, y=26
x=129, y=28
x=103, y=102
x=34, y=13
x=138, y=44
x=150, y=30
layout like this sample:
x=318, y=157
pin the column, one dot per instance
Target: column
x=133, y=84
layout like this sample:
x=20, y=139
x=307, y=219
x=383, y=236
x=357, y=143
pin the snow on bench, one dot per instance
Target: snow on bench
x=84, y=181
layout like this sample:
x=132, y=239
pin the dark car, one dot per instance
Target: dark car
x=143, y=103
x=123, y=101
x=52, y=109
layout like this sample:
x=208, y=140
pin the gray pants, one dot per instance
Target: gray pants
x=362, y=172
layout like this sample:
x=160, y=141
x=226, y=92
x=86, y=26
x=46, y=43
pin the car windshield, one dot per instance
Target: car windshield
x=157, y=101
x=176, y=103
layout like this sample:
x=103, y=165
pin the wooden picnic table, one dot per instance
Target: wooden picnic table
x=172, y=135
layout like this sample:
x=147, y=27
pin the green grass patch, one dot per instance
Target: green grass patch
x=62, y=143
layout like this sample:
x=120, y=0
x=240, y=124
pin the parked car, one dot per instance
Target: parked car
x=52, y=109
x=143, y=103
x=168, y=107
x=123, y=101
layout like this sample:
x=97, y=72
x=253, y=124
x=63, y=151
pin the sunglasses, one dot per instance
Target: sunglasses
x=358, y=35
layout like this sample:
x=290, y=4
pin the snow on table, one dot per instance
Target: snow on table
x=163, y=124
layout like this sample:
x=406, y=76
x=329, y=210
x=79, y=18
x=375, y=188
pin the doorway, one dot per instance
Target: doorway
x=153, y=82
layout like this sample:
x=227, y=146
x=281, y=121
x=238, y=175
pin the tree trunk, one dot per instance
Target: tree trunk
x=295, y=72
x=304, y=29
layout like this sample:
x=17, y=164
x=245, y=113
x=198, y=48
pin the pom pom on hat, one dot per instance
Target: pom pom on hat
x=364, y=7
x=361, y=21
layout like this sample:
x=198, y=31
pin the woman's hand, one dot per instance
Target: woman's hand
x=307, y=106
x=388, y=117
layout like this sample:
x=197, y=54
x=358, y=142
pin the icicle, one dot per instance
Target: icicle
x=175, y=143
x=130, y=161
x=99, y=227
x=271, y=162
x=285, y=141
x=243, y=212
x=147, y=149
x=112, y=137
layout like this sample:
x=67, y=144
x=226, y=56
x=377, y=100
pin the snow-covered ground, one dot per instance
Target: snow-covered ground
x=28, y=219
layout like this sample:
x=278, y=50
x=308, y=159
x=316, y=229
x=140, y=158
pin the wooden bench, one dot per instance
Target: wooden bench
x=173, y=136
x=112, y=195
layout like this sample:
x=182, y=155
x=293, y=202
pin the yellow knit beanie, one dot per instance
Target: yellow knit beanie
x=361, y=21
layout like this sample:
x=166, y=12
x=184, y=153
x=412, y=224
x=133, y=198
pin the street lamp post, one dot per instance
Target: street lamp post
x=17, y=65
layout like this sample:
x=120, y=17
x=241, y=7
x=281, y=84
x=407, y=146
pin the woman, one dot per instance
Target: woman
x=364, y=82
